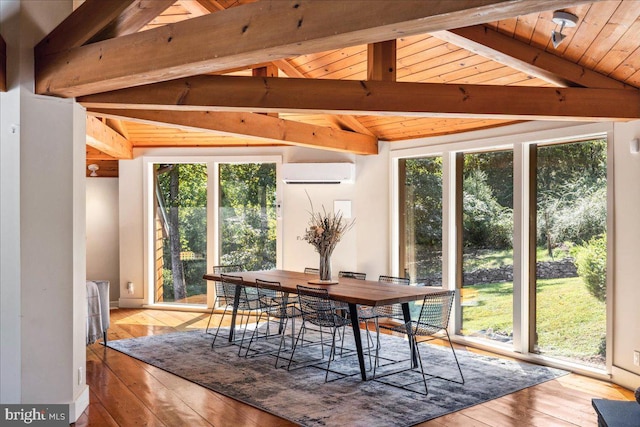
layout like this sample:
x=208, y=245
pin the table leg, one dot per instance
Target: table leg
x=407, y=318
x=355, y=324
x=234, y=313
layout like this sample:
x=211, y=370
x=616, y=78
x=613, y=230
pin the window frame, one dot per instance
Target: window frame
x=212, y=163
x=521, y=139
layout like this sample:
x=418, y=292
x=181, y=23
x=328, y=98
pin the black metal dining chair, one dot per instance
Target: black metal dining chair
x=432, y=323
x=319, y=310
x=393, y=311
x=247, y=302
x=353, y=275
x=275, y=305
x=365, y=313
x=221, y=299
x=311, y=270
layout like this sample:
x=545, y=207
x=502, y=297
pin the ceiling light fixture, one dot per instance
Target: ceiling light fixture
x=93, y=168
x=565, y=19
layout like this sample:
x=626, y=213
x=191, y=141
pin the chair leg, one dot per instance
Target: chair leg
x=253, y=334
x=283, y=336
x=331, y=353
x=454, y=355
x=293, y=350
x=215, y=336
x=244, y=331
x=417, y=350
x=206, y=331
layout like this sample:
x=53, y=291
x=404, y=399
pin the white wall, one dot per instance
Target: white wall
x=297, y=253
x=45, y=327
x=626, y=286
x=10, y=354
x=374, y=205
x=103, y=233
x=131, y=235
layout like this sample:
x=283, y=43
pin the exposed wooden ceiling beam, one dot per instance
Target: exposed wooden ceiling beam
x=3, y=65
x=381, y=61
x=118, y=126
x=133, y=18
x=340, y=120
x=85, y=22
x=262, y=94
x=253, y=125
x=253, y=34
x=528, y=59
x=97, y=20
x=269, y=70
x=104, y=139
x=94, y=154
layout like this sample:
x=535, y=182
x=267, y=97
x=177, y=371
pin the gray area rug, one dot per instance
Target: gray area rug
x=302, y=396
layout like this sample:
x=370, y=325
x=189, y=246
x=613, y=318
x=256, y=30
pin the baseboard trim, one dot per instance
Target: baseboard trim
x=78, y=406
x=624, y=378
x=131, y=302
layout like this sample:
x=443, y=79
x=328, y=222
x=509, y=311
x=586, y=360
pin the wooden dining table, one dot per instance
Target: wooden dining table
x=347, y=290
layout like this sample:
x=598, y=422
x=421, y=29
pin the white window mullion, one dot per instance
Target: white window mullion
x=521, y=211
x=449, y=249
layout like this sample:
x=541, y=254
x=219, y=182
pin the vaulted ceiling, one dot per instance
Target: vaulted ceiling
x=336, y=75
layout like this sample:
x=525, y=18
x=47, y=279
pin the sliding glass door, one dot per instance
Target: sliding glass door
x=244, y=211
x=180, y=219
x=247, y=215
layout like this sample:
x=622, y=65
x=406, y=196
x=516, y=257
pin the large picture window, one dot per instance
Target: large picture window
x=421, y=213
x=570, y=237
x=521, y=229
x=486, y=250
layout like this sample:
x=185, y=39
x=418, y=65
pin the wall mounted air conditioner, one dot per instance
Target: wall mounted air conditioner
x=319, y=173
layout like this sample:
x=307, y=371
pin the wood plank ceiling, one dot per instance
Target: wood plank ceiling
x=456, y=67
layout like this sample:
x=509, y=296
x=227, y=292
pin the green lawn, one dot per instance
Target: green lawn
x=570, y=321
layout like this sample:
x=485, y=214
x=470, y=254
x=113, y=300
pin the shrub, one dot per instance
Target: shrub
x=591, y=261
x=487, y=224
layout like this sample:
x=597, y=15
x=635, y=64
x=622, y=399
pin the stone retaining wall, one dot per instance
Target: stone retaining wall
x=545, y=270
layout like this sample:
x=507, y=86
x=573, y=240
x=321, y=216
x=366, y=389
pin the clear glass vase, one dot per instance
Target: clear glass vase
x=325, y=265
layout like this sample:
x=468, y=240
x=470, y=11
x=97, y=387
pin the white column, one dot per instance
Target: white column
x=10, y=213
x=49, y=172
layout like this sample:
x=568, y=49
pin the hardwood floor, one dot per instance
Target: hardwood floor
x=127, y=392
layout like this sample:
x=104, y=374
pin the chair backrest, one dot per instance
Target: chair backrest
x=230, y=268
x=268, y=289
x=220, y=292
x=311, y=270
x=392, y=279
x=353, y=275
x=316, y=307
x=229, y=283
x=272, y=298
x=435, y=312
